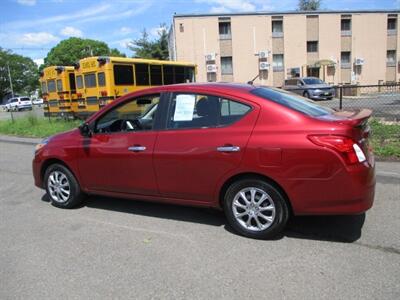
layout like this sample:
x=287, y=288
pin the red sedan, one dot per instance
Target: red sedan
x=260, y=154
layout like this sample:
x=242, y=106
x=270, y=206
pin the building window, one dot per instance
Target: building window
x=345, y=60
x=392, y=25
x=277, y=28
x=226, y=65
x=277, y=62
x=225, y=30
x=312, y=46
x=181, y=28
x=345, y=26
x=391, y=58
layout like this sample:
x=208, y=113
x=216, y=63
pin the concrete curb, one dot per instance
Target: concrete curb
x=19, y=140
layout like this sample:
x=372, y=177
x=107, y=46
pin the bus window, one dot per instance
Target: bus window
x=123, y=75
x=44, y=87
x=179, y=74
x=72, y=82
x=51, y=86
x=59, y=85
x=101, y=79
x=168, y=72
x=90, y=80
x=142, y=74
x=155, y=75
x=79, y=82
x=189, y=74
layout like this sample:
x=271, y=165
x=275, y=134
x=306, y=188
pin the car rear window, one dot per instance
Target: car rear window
x=292, y=101
x=25, y=99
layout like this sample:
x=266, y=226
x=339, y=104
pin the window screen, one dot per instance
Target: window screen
x=142, y=74
x=123, y=75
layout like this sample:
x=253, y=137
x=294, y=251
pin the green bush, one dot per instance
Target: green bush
x=33, y=126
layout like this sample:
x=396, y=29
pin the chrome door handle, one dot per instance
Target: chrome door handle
x=228, y=149
x=137, y=148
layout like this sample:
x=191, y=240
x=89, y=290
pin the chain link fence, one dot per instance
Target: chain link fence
x=383, y=100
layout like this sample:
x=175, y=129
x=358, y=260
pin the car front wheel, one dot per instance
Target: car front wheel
x=62, y=187
x=255, y=208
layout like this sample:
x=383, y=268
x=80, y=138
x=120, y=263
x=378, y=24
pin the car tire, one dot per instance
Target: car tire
x=306, y=95
x=267, y=218
x=62, y=187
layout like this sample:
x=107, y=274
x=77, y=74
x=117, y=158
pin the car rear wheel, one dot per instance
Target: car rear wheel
x=62, y=187
x=255, y=208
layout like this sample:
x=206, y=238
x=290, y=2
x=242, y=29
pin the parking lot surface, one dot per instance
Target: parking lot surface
x=112, y=248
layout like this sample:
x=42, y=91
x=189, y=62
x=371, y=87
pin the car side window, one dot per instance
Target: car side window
x=137, y=114
x=203, y=111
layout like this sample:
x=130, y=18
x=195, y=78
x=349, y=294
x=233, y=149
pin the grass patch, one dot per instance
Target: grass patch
x=33, y=126
x=385, y=139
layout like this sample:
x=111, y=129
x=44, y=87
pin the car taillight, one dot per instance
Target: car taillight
x=79, y=95
x=350, y=151
x=104, y=93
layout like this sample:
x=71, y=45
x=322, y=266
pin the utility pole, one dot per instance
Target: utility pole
x=12, y=91
x=9, y=77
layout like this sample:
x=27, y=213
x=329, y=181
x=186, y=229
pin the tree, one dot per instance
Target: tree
x=24, y=74
x=146, y=48
x=308, y=5
x=69, y=51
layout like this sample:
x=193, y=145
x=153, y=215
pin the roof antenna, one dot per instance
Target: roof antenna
x=252, y=81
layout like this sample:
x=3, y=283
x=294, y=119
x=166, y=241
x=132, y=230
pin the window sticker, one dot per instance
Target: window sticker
x=184, y=107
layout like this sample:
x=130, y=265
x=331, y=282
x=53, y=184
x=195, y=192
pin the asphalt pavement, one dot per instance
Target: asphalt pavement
x=112, y=248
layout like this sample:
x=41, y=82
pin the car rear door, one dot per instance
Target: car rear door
x=204, y=141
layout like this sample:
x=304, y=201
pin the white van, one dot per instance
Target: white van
x=19, y=103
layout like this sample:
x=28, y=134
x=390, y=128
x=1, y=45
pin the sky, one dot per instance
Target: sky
x=32, y=27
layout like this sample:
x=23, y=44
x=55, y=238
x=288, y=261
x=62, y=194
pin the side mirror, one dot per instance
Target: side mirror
x=85, y=130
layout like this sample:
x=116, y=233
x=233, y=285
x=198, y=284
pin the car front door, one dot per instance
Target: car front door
x=205, y=139
x=118, y=156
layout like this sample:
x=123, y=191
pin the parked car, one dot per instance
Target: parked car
x=260, y=154
x=19, y=103
x=37, y=101
x=310, y=87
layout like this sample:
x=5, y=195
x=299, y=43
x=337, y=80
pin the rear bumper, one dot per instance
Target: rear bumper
x=349, y=191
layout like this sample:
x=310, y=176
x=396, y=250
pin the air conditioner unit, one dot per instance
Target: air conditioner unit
x=211, y=68
x=264, y=66
x=359, y=61
x=210, y=57
x=263, y=54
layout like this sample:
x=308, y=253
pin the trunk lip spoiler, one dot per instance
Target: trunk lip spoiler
x=351, y=117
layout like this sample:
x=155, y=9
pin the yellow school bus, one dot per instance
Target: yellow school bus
x=100, y=80
x=58, y=89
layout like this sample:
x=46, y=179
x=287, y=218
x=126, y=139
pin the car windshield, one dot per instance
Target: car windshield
x=25, y=99
x=292, y=101
x=313, y=81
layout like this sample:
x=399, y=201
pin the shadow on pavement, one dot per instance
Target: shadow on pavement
x=345, y=229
